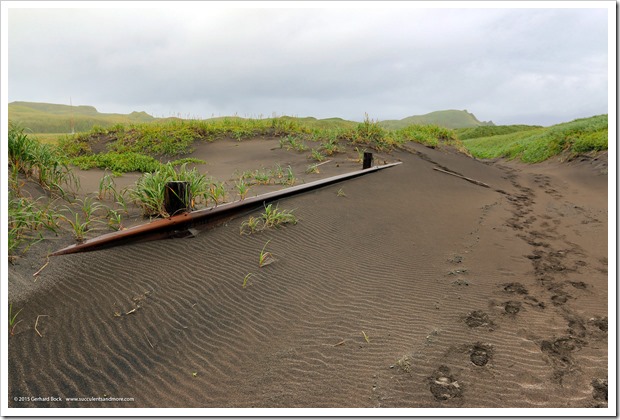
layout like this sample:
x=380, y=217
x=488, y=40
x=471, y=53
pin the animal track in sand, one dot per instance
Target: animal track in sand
x=479, y=318
x=480, y=354
x=443, y=386
x=512, y=307
x=517, y=288
x=559, y=354
x=599, y=389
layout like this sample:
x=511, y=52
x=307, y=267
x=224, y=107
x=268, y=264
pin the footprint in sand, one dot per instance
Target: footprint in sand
x=443, y=386
x=517, y=288
x=480, y=354
x=478, y=318
x=512, y=307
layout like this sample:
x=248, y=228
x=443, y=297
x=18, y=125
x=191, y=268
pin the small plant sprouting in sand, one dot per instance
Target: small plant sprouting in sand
x=272, y=217
x=79, y=228
x=341, y=193
x=217, y=192
x=330, y=147
x=317, y=155
x=13, y=319
x=242, y=188
x=360, y=154
x=114, y=220
x=250, y=226
x=262, y=177
x=265, y=257
x=89, y=207
x=366, y=337
x=107, y=186
x=291, y=142
x=246, y=280
x=313, y=169
x=290, y=177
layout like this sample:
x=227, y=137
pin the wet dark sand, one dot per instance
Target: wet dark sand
x=416, y=289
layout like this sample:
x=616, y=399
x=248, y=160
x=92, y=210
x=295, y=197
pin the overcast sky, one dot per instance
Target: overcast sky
x=511, y=66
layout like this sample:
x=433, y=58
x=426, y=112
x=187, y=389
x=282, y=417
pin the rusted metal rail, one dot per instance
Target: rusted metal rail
x=176, y=225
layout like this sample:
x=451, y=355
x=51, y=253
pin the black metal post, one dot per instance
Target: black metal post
x=177, y=197
x=367, y=160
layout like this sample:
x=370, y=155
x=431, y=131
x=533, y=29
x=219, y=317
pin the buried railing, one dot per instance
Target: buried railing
x=178, y=225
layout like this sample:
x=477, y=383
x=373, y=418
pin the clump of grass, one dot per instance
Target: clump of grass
x=274, y=218
x=217, y=192
x=242, y=188
x=26, y=218
x=289, y=177
x=79, y=226
x=148, y=193
x=291, y=142
x=43, y=163
x=317, y=155
x=252, y=225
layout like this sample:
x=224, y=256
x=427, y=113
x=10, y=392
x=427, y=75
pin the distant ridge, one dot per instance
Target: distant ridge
x=451, y=118
x=40, y=117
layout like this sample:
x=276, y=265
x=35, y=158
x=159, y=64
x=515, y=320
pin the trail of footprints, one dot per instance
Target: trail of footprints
x=551, y=265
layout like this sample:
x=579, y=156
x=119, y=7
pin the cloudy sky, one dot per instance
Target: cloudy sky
x=508, y=65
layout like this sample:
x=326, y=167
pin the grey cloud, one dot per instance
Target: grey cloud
x=501, y=64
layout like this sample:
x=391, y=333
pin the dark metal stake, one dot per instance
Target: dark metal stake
x=367, y=160
x=177, y=197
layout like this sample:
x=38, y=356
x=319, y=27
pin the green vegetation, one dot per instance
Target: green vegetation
x=492, y=130
x=54, y=118
x=42, y=163
x=272, y=217
x=447, y=119
x=536, y=145
x=265, y=257
x=26, y=219
x=246, y=280
x=13, y=319
x=149, y=191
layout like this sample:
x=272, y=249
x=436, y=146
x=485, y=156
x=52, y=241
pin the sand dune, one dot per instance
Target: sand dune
x=413, y=289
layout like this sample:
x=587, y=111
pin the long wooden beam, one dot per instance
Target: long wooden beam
x=172, y=226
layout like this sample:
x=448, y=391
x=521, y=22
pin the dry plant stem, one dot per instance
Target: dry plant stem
x=323, y=163
x=41, y=269
x=36, y=323
x=149, y=341
x=339, y=344
x=366, y=337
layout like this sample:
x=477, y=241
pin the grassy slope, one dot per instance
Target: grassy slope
x=538, y=144
x=447, y=119
x=54, y=118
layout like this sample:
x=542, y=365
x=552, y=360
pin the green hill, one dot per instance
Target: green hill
x=54, y=118
x=448, y=119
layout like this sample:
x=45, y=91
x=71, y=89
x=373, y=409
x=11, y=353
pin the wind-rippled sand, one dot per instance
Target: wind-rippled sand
x=409, y=288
